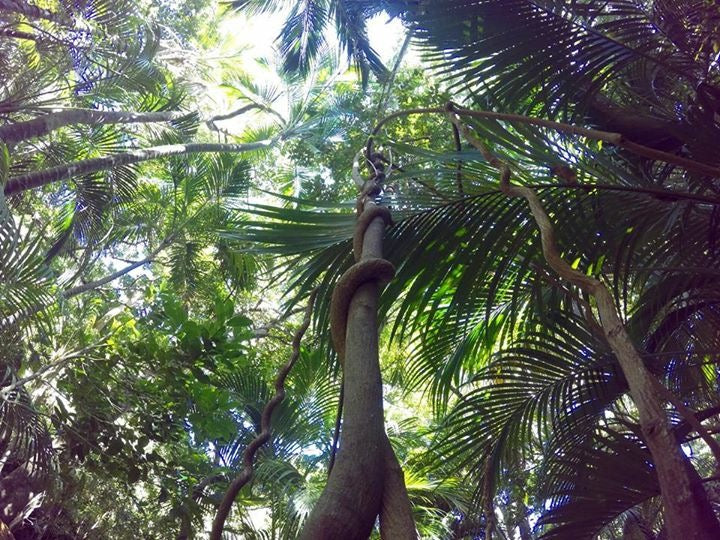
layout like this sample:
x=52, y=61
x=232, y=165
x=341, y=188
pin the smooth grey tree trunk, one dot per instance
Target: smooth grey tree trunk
x=35, y=179
x=11, y=134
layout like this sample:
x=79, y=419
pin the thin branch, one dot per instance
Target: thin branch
x=233, y=114
x=6, y=391
x=385, y=96
x=664, y=195
x=85, y=287
x=74, y=291
x=264, y=330
x=248, y=470
x=18, y=34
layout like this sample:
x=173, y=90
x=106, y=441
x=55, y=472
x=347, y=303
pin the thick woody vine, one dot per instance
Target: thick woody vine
x=248, y=458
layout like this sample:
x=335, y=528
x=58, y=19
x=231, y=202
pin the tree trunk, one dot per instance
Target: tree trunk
x=352, y=498
x=396, y=519
x=366, y=479
x=688, y=514
x=47, y=123
x=36, y=179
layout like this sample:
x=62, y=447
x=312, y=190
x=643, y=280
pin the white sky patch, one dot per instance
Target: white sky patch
x=386, y=37
x=251, y=42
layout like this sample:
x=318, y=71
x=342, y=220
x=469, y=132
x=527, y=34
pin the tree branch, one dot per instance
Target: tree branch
x=74, y=291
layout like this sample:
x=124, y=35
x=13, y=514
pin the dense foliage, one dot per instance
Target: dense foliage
x=168, y=204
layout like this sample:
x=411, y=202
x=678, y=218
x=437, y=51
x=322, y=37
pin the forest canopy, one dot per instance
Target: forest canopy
x=351, y=269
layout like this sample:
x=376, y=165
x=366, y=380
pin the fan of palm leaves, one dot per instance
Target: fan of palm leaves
x=560, y=52
x=24, y=274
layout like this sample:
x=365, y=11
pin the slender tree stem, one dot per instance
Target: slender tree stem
x=248, y=458
x=74, y=291
x=56, y=119
x=36, y=179
x=385, y=94
x=458, y=173
x=47, y=123
x=42, y=372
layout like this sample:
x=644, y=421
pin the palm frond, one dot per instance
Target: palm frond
x=302, y=35
x=592, y=483
x=555, y=52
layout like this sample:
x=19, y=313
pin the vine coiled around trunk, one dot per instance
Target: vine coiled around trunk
x=363, y=271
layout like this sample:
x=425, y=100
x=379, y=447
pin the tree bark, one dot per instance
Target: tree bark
x=688, y=514
x=352, y=498
x=35, y=179
x=396, y=519
x=42, y=125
